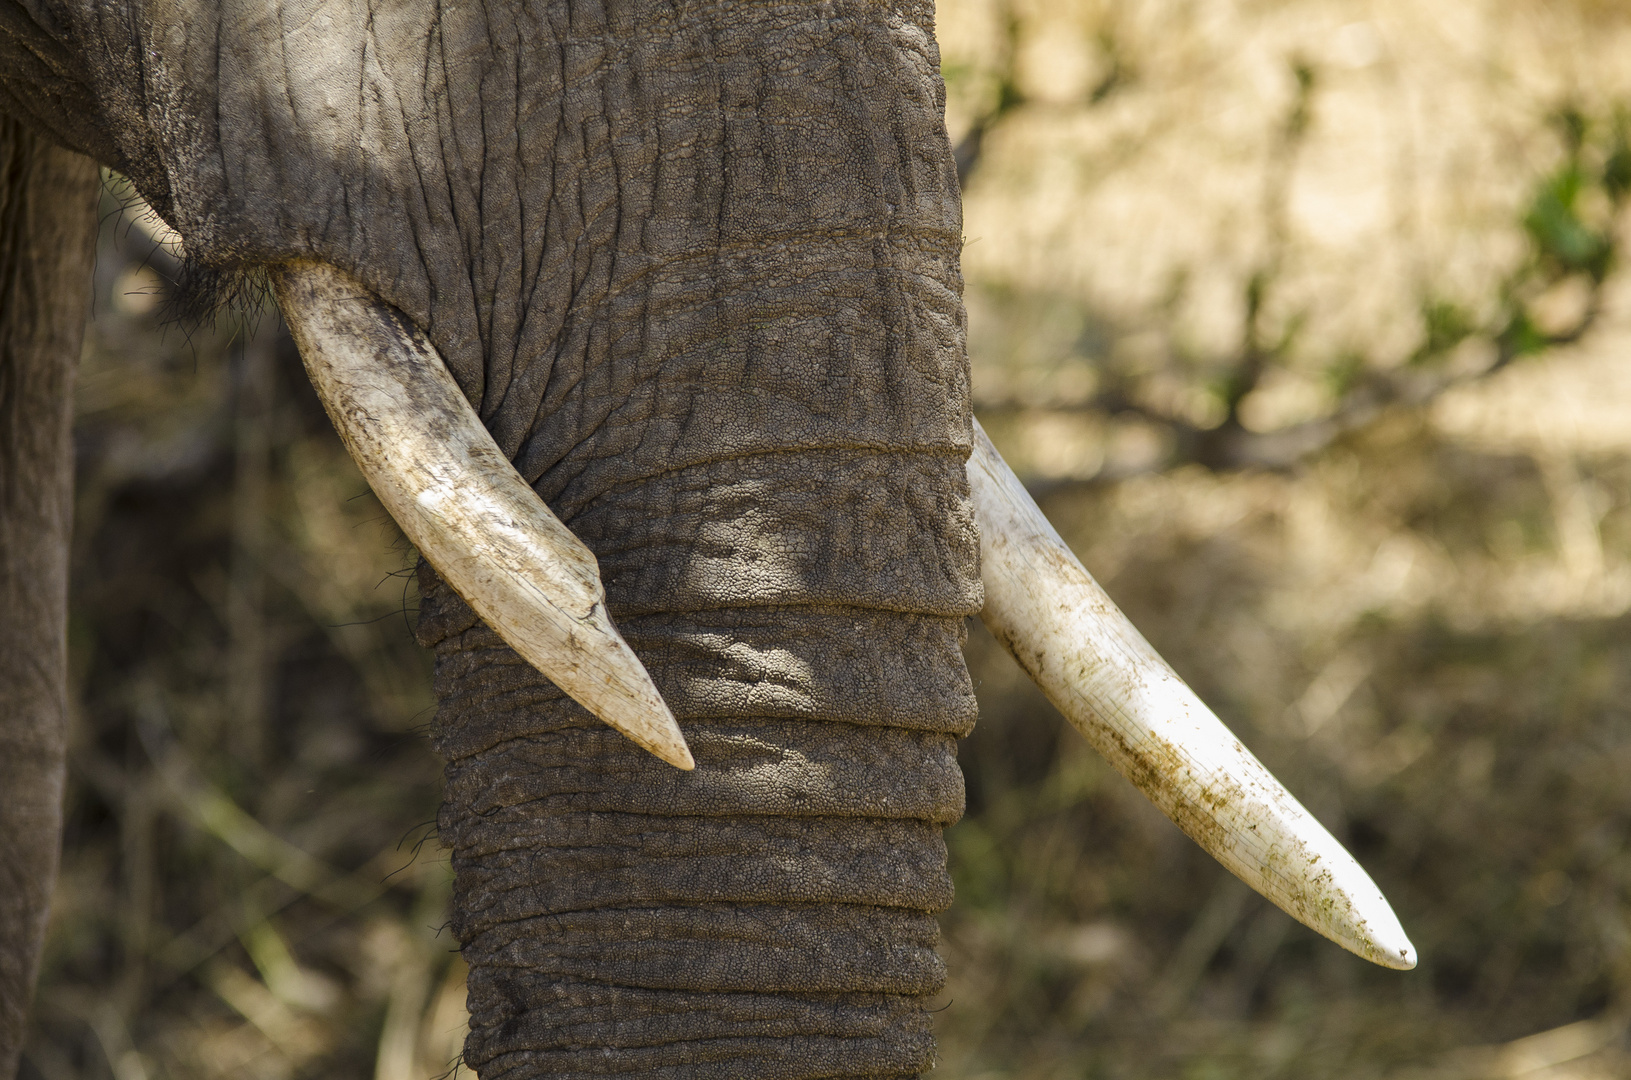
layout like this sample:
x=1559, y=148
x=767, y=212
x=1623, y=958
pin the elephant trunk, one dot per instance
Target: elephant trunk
x=47, y=238
x=768, y=915
x=751, y=405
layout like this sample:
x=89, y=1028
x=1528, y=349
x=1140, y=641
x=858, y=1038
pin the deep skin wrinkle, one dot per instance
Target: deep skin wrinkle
x=696, y=266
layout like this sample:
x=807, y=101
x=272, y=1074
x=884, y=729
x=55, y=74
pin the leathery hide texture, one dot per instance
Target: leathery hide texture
x=768, y=915
x=781, y=521
x=696, y=265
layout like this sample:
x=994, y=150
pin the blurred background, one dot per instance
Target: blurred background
x=1307, y=323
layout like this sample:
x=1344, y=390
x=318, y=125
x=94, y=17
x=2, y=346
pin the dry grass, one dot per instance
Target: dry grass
x=1404, y=634
x=1423, y=628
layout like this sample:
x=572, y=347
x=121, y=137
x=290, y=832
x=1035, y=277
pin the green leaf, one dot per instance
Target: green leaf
x=1447, y=324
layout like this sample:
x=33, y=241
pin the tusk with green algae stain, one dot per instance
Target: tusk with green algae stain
x=1098, y=670
x=435, y=467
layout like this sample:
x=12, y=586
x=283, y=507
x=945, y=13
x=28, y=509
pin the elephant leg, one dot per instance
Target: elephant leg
x=47, y=244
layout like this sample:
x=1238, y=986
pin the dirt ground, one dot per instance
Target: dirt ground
x=1419, y=620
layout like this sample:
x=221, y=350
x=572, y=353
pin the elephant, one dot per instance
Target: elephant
x=645, y=321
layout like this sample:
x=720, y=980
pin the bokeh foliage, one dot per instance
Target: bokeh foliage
x=1306, y=322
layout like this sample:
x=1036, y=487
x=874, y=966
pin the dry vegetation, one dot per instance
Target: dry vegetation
x=1305, y=319
x=245, y=890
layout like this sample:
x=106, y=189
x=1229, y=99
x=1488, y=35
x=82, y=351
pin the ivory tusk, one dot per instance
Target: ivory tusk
x=434, y=465
x=1098, y=670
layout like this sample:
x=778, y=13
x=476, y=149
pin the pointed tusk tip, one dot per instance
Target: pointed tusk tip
x=1391, y=951
x=1400, y=959
x=680, y=757
x=649, y=724
x=1371, y=928
x=656, y=730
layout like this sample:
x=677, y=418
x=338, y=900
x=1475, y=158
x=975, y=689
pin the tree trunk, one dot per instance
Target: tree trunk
x=47, y=243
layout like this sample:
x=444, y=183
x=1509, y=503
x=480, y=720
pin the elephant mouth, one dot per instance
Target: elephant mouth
x=457, y=497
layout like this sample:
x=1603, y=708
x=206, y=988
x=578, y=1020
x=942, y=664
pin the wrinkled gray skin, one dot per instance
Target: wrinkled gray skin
x=696, y=265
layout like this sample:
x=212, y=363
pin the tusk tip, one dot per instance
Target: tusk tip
x=1399, y=955
x=678, y=755
x=1378, y=938
x=644, y=718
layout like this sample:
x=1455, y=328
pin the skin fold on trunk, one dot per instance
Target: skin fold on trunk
x=47, y=242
